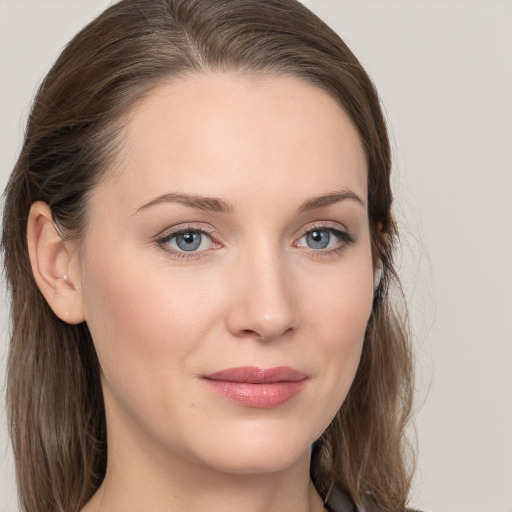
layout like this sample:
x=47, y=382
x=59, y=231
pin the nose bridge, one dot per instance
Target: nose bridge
x=264, y=302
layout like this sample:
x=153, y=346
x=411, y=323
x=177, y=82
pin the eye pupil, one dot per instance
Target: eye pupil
x=188, y=241
x=318, y=239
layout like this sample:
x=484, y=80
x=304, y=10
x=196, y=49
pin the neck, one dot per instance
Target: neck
x=143, y=476
x=197, y=490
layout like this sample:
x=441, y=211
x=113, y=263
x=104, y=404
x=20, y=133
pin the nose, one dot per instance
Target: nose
x=263, y=301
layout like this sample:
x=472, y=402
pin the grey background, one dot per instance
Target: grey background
x=444, y=71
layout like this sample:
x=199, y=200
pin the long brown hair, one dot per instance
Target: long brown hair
x=54, y=399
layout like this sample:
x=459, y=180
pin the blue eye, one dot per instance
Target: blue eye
x=325, y=239
x=188, y=241
x=318, y=239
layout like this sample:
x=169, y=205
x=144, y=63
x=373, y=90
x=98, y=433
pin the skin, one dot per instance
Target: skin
x=255, y=293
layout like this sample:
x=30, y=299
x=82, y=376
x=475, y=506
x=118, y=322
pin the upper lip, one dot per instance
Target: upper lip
x=255, y=375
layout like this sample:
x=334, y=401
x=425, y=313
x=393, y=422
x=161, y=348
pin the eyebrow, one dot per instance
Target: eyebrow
x=215, y=204
x=211, y=204
x=314, y=203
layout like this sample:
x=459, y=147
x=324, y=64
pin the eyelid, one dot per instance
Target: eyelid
x=325, y=225
x=347, y=238
x=162, y=239
x=183, y=228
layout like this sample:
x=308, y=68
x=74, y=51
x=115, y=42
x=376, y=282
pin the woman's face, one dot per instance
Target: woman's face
x=226, y=272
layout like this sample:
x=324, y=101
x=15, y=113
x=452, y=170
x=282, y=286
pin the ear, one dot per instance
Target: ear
x=54, y=265
x=382, y=241
x=377, y=277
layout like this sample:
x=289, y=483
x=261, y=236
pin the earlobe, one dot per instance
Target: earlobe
x=377, y=277
x=378, y=270
x=54, y=265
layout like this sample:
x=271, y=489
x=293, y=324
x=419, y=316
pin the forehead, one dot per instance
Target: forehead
x=225, y=134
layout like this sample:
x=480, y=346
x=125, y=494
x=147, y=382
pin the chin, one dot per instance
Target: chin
x=261, y=462
x=259, y=451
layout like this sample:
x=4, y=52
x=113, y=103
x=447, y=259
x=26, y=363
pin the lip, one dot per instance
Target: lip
x=257, y=387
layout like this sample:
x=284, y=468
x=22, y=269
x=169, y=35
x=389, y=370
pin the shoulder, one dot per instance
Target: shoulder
x=338, y=501
x=372, y=508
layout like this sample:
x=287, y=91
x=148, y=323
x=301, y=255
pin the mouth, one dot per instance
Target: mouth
x=257, y=387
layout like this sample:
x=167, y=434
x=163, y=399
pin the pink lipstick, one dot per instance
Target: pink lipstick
x=257, y=387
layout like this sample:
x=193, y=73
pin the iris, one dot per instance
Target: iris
x=188, y=241
x=318, y=239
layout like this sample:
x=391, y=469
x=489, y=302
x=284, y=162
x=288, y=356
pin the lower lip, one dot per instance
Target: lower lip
x=262, y=396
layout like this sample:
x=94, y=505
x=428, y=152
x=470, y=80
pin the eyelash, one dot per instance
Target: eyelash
x=346, y=239
x=192, y=255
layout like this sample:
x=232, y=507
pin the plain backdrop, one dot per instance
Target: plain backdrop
x=444, y=72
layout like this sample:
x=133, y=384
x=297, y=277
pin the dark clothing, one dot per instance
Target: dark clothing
x=337, y=501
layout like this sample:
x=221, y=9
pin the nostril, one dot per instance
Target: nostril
x=263, y=302
x=266, y=335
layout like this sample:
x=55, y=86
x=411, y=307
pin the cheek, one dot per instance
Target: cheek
x=141, y=323
x=341, y=302
x=146, y=331
x=341, y=312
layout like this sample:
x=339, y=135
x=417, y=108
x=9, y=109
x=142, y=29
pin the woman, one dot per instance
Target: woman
x=198, y=242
